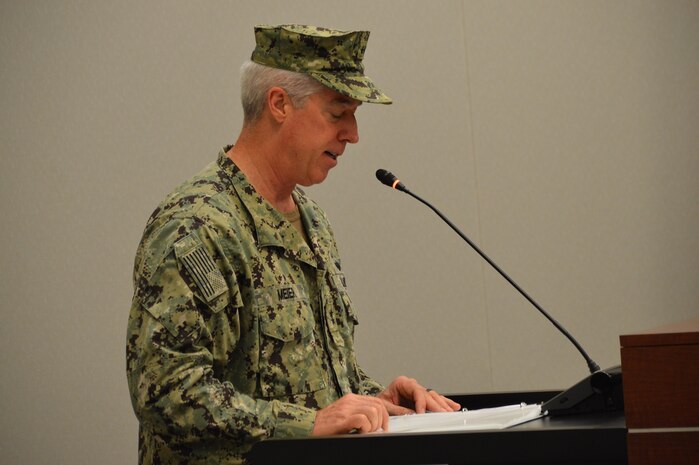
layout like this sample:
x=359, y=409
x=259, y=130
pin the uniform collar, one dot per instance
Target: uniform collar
x=271, y=228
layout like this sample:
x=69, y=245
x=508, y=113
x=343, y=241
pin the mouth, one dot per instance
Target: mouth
x=332, y=155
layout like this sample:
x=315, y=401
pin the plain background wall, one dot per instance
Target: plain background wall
x=561, y=136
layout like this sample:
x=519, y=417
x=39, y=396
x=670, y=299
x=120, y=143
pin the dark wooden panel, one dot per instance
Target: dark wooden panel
x=676, y=448
x=661, y=386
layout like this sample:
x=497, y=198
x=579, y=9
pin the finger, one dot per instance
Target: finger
x=376, y=416
x=381, y=412
x=359, y=423
x=384, y=416
x=436, y=403
x=453, y=405
x=420, y=399
x=450, y=404
x=439, y=403
x=375, y=412
x=380, y=415
x=394, y=409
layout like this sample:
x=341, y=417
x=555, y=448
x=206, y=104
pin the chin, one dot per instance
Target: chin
x=313, y=180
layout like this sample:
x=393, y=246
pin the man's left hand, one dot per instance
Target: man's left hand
x=405, y=395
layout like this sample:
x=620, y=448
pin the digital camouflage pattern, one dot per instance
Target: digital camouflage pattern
x=238, y=331
x=334, y=58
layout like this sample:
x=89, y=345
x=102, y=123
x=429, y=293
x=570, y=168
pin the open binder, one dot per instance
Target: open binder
x=465, y=420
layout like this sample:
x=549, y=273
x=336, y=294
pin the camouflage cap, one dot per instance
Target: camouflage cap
x=334, y=58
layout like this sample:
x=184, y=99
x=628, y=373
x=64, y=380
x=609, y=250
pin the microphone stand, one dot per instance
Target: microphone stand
x=600, y=391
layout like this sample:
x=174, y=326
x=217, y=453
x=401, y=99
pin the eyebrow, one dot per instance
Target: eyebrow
x=346, y=101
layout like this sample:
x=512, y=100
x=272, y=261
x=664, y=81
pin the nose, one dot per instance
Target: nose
x=350, y=131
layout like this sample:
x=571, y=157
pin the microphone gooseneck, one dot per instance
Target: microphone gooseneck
x=387, y=178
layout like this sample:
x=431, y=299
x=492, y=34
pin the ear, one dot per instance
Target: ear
x=278, y=103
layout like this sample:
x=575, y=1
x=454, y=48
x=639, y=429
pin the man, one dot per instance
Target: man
x=241, y=327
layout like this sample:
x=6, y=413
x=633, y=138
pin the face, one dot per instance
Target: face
x=317, y=134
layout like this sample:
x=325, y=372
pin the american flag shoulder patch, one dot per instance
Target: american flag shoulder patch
x=201, y=267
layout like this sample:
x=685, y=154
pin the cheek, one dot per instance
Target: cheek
x=311, y=131
x=316, y=136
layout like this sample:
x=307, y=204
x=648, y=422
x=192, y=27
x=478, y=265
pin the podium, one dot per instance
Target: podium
x=661, y=394
x=659, y=425
x=580, y=439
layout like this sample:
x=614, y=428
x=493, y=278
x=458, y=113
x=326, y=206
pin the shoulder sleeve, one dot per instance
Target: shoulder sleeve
x=171, y=349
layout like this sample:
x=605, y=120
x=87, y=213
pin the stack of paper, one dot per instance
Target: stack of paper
x=487, y=418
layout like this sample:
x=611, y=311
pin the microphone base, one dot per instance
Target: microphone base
x=601, y=391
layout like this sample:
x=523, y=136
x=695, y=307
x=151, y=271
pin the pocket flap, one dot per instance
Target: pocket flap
x=285, y=313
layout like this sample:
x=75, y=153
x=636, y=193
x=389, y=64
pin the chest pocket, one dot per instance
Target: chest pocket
x=290, y=361
x=341, y=317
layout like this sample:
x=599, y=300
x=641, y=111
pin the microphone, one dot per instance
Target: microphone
x=600, y=391
x=388, y=178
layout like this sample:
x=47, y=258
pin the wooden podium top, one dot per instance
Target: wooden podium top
x=661, y=376
x=661, y=381
x=684, y=333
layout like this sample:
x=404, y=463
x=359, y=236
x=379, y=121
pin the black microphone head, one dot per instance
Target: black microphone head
x=388, y=178
x=385, y=177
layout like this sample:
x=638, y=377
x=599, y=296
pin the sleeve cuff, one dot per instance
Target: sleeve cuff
x=371, y=388
x=294, y=421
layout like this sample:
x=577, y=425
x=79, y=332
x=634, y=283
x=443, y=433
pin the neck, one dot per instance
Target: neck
x=255, y=155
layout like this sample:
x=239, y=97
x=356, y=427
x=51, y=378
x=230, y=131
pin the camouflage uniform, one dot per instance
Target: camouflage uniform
x=238, y=330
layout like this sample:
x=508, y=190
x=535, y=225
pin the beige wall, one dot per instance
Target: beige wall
x=560, y=135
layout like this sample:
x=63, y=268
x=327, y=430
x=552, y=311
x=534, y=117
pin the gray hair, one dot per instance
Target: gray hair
x=256, y=80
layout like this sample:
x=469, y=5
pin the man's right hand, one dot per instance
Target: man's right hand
x=351, y=413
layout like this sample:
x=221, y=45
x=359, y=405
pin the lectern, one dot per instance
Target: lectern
x=660, y=424
x=587, y=439
x=661, y=394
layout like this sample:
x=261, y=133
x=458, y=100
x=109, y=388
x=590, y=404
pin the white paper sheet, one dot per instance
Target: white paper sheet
x=488, y=418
